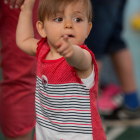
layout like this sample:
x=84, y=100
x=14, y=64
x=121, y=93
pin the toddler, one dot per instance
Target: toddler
x=67, y=79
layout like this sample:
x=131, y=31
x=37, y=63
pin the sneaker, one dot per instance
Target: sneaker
x=110, y=99
x=122, y=117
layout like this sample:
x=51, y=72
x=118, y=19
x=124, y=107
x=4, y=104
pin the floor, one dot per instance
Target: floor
x=133, y=41
x=123, y=133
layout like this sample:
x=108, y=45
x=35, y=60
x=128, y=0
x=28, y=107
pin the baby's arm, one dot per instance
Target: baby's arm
x=74, y=55
x=25, y=35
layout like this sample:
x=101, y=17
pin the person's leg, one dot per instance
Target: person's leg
x=123, y=64
x=129, y=112
x=105, y=37
x=17, y=92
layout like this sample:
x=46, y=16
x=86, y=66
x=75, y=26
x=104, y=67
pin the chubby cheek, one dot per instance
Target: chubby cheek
x=52, y=35
x=82, y=36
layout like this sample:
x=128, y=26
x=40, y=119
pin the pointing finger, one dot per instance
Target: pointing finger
x=65, y=37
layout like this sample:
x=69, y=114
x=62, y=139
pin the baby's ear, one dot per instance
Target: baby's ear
x=41, y=30
x=89, y=28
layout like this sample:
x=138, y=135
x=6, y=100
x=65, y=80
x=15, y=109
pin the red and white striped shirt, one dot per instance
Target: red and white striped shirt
x=65, y=108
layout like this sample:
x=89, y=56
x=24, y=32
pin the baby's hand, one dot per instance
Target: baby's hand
x=64, y=47
x=28, y=5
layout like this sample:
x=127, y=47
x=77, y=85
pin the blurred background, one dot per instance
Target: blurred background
x=131, y=34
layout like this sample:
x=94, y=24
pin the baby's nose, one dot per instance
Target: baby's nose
x=68, y=24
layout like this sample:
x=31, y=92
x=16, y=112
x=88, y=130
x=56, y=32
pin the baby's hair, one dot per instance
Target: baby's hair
x=47, y=8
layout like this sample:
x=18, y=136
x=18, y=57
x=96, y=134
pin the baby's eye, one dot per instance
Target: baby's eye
x=78, y=19
x=58, y=19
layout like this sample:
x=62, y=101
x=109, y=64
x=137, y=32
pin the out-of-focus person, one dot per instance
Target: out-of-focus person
x=17, y=88
x=105, y=37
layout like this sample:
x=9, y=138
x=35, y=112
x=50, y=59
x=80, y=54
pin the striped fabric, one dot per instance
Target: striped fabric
x=65, y=108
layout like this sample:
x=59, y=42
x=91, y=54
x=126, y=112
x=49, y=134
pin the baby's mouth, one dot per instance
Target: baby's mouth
x=70, y=36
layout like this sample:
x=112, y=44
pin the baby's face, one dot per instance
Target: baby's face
x=72, y=22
